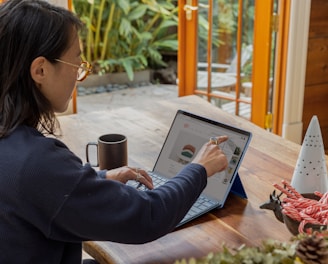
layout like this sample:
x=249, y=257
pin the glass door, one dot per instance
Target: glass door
x=224, y=67
x=226, y=58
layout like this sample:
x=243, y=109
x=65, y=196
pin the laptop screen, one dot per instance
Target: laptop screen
x=187, y=135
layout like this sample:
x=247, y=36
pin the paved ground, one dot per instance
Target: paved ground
x=125, y=97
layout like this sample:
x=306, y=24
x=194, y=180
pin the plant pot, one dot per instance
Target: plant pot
x=95, y=80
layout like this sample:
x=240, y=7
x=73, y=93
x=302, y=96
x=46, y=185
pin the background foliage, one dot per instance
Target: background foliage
x=127, y=35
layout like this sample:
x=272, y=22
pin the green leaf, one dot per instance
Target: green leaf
x=137, y=12
x=125, y=27
x=168, y=23
x=167, y=44
x=124, y=5
x=146, y=36
x=127, y=64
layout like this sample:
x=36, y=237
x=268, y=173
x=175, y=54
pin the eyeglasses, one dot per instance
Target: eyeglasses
x=83, y=69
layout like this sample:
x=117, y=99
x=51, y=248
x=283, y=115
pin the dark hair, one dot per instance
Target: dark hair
x=29, y=29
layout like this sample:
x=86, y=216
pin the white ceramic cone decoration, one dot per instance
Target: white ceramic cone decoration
x=310, y=173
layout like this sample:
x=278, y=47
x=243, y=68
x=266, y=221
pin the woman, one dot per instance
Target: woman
x=50, y=202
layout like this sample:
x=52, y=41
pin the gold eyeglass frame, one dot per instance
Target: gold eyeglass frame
x=85, y=69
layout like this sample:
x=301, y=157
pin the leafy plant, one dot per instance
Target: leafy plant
x=311, y=247
x=270, y=252
x=127, y=35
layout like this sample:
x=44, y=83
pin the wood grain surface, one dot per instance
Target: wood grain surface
x=269, y=160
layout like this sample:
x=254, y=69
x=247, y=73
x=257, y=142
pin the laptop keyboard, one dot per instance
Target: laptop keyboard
x=202, y=203
x=157, y=181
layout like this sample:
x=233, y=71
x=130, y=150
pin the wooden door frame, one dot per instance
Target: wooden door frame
x=187, y=50
x=261, y=61
x=279, y=85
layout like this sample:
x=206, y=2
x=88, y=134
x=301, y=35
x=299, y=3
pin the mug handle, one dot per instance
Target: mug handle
x=87, y=153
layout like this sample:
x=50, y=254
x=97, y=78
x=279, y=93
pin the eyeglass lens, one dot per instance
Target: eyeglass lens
x=83, y=71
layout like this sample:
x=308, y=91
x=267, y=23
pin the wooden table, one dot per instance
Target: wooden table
x=269, y=160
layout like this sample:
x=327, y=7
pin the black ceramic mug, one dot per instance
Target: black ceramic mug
x=112, y=151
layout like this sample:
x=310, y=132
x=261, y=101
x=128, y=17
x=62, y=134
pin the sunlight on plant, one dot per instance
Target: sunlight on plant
x=126, y=35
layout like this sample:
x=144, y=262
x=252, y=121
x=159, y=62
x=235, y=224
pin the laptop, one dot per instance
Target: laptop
x=186, y=136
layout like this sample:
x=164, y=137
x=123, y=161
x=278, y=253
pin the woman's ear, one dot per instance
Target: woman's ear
x=37, y=69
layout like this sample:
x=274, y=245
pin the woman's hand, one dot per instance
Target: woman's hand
x=124, y=174
x=212, y=157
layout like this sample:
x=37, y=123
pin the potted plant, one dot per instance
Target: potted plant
x=127, y=35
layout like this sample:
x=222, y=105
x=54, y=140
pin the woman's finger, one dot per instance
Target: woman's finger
x=143, y=177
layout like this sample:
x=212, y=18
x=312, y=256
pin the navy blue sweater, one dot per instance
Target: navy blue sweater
x=50, y=202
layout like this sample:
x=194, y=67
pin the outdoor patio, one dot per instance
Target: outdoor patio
x=125, y=97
